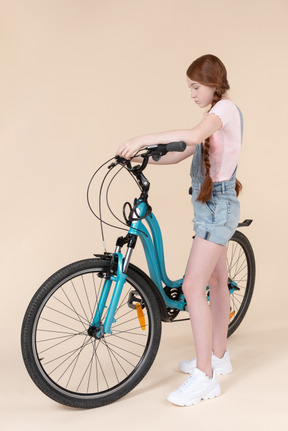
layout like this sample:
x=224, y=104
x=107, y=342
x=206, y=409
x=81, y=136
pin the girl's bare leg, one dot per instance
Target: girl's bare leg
x=202, y=261
x=219, y=305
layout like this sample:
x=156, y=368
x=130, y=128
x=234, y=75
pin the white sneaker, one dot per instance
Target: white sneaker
x=221, y=365
x=197, y=387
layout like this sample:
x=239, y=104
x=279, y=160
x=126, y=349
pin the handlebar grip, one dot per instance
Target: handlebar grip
x=176, y=146
x=160, y=150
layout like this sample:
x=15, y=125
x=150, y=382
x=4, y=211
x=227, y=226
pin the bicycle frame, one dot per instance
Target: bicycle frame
x=154, y=253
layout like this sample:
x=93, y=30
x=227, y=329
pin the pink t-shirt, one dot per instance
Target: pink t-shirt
x=225, y=144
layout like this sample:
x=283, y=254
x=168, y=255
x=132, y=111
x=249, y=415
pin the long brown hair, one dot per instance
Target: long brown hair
x=209, y=70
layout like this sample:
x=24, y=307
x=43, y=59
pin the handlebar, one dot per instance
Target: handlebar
x=154, y=151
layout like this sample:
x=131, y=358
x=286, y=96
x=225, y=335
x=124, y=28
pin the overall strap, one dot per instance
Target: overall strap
x=242, y=123
x=242, y=126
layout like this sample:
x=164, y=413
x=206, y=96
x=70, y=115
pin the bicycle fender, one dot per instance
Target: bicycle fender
x=160, y=300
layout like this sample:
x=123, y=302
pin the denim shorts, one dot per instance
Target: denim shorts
x=217, y=219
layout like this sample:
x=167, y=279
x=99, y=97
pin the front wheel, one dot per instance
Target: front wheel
x=241, y=278
x=65, y=360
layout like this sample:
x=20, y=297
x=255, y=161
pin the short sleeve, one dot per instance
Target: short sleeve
x=223, y=110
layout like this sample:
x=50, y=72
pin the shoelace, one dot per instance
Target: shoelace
x=188, y=382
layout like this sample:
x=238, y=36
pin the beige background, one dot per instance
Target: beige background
x=77, y=78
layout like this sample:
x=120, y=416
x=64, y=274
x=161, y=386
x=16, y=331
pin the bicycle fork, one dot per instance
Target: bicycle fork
x=97, y=328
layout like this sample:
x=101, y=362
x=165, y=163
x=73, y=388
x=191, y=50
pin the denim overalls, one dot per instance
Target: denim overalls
x=217, y=219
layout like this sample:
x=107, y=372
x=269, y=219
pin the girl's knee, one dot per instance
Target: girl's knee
x=193, y=289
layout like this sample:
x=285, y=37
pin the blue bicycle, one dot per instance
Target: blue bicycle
x=92, y=330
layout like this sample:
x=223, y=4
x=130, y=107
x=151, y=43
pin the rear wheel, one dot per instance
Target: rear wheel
x=66, y=360
x=241, y=278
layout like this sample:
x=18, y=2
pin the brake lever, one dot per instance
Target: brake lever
x=120, y=161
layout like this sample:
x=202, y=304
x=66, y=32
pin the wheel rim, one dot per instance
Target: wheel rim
x=76, y=363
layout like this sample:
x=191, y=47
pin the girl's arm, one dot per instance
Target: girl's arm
x=209, y=125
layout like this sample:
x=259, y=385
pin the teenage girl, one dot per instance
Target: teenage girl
x=215, y=144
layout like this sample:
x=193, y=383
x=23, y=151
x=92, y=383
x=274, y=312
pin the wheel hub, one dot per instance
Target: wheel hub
x=96, y=332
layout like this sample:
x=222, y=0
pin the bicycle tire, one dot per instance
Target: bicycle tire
x=241, y=270
x=74, y=368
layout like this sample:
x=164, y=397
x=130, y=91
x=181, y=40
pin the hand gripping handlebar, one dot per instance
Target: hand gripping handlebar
x=154, y=151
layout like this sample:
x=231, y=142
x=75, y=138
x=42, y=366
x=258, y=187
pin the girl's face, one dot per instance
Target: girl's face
x=201, y=94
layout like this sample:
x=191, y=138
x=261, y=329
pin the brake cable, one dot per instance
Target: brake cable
x=102, y=222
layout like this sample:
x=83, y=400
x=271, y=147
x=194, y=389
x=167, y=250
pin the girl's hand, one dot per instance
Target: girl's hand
x=130, y=147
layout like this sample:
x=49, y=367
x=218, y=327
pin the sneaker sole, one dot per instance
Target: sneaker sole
x=215, y=392
x=212, y=394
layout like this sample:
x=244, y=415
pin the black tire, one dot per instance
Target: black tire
x=74, y=368
x=241, y=273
